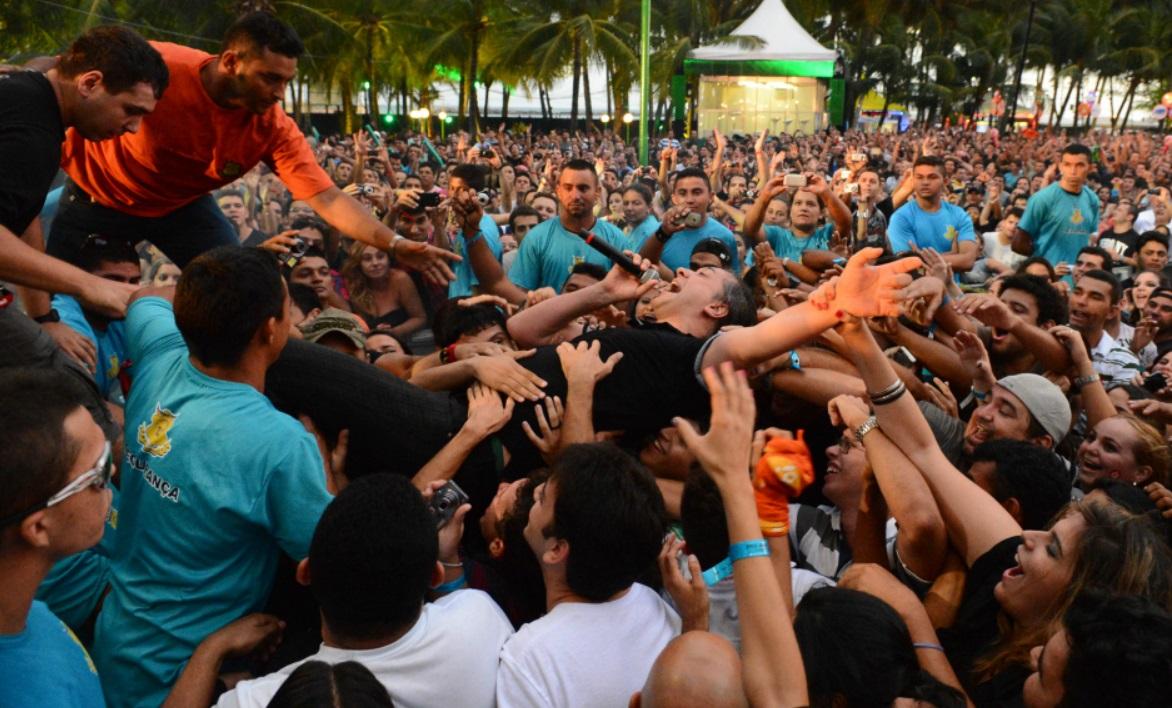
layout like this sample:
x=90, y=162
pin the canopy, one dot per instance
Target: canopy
x=788, y=48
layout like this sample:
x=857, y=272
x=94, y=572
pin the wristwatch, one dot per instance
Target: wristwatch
x=51, y=316
x=867, y=426
x=1081, y=381
x=661, y=235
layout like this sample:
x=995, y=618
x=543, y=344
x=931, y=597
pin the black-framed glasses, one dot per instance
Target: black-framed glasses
x=97, y=477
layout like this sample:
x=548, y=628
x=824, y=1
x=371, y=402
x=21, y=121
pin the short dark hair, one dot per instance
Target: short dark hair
x=230, y=192
x=372, y=557
x=310, y=222
x=260, y=31
x=586, y=268
x=1033, y=475
x=1015, y=211
x=471, y=174
x=1108, y=278
x=1051, y=304
x=316, y=683
x=1149, y=236
x=304, y=297
x=1032, y=260
x=223, y=298
x=35, y=451
x=1077, y=149
x=453, y=320
x=579, y=165
x=519, y=211
x=1102, y=253
x=931, y=160
x=695, y=173
x=1120, y=651
x=99, y=249
x=609, y=510
x=122, y=55
x=857, y=649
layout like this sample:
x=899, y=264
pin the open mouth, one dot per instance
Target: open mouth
x=1016, y=571
x=998, y=335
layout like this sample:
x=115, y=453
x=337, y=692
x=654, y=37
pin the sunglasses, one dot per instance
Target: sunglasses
x=97, y=477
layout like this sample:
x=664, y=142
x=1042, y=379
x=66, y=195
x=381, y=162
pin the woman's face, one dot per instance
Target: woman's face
x=1044, y=687
x=1142, y=289
x=614, y=203
x=1109, y=451
x=167, y=274
x=635, y=210
x=546, y=207
x=374, y=263
x=1163, y=366
x=1045, y=563
x=845, y=463
x=777, y=213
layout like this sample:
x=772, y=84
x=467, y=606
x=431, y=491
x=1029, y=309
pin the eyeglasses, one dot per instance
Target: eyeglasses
x=845, y=445
x=97, y=477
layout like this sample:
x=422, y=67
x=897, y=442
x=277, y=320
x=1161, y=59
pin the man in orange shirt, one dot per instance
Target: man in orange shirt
x=219, y=118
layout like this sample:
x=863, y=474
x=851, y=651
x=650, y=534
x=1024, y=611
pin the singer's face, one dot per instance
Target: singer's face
x=578, y=191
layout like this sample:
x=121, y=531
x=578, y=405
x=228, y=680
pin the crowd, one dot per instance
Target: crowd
x=839, y=419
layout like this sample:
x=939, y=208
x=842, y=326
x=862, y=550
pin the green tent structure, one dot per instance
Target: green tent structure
x=787, y=84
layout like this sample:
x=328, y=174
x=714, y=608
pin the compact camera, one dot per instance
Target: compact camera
x=445, y=501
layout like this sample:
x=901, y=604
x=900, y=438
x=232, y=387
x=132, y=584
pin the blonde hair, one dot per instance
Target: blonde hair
x=361, y=291
x=1150, y=450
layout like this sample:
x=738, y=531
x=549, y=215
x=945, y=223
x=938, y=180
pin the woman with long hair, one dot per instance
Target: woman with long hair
x=382, y=295
x=1125, y=448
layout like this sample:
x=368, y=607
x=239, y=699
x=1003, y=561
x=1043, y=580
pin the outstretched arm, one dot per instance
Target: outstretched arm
x=975, y=521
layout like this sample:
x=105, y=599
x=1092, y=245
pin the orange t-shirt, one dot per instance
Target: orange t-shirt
x=188, y=147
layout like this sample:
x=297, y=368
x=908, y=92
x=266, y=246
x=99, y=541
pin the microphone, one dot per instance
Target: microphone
x=617, y=257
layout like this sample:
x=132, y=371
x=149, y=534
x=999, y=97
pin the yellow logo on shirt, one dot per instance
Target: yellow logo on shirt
x=951, y=233
x=114, y=368
x=1076, y=216
x=153, y=435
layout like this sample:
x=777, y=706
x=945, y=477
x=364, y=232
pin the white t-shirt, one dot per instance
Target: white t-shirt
x=449, y=658
x=1001, y=252
x=586, y=654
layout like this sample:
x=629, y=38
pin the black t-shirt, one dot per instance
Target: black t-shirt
x=975, y=632
x=655, y=380
x=31, y=133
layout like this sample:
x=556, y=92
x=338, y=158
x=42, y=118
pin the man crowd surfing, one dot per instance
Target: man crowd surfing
x=837, y=419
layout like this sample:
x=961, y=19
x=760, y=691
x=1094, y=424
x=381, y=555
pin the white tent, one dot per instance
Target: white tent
x=784, y=39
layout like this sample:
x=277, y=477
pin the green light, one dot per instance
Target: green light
x=365, y=85
x=768, y=67
x=448, y=119
x=388, y=118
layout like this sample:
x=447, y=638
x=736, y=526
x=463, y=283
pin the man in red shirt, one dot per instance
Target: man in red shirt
x=219, y=118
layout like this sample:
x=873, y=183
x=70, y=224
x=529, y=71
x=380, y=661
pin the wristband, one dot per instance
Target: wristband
x=748, y=549
x=980, y=395
x=451, y=584
x=661, y=235
x=1081, y=381
x=795, y=362
x=448, y=354
x=718, y=572
x=927, y=645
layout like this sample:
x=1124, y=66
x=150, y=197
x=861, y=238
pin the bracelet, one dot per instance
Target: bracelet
x=885, y=392
x=452, y=565
x=889, y=397
x=718, y=572
x=927, y=645
x=748, y=549
x=795, y=362
x=661, y=235
x=452, y=584
x=867, y=426
x=980, y=395
x=1081, y=381
x=448, y=354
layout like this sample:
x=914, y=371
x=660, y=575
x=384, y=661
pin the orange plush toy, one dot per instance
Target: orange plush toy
x=784, y=470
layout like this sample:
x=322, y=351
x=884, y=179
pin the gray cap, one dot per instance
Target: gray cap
x=1045, y=402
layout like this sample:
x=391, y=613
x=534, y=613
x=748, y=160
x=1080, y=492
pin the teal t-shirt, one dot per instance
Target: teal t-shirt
x=786, y=244
x=549, y=252
x=465, y=278
x=216, y=483
x=1061, y=223
x=938, y=229
x=45, y=665
x=642, y=232
x=677, y=252
x=110, y=344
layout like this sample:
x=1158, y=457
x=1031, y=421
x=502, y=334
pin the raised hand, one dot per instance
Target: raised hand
x=503, y=373
x=865, y=290
x=690, y=596
x=725, y=449
x=975, y=359
x=989, y=310
x=486, y=412
x=583, y=361
x=547, y=438
x=431, y=261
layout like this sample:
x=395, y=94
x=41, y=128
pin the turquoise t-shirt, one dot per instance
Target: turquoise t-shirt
x=1061, y=223
x=786, y=244
x=45, y=665
x=465, y=278
x=110, y=344
x=549, y=252
x=642, y=232
x=677, y=252
x=938, y=229
x=216, y=483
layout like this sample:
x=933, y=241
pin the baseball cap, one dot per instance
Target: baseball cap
x=1045, y=402
x=717, y=248
x=338, y=321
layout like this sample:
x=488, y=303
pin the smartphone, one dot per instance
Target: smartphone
x=903, y=357
x=429, y=199
x=693, y=219
x=794, y=180
x=1155, y=383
